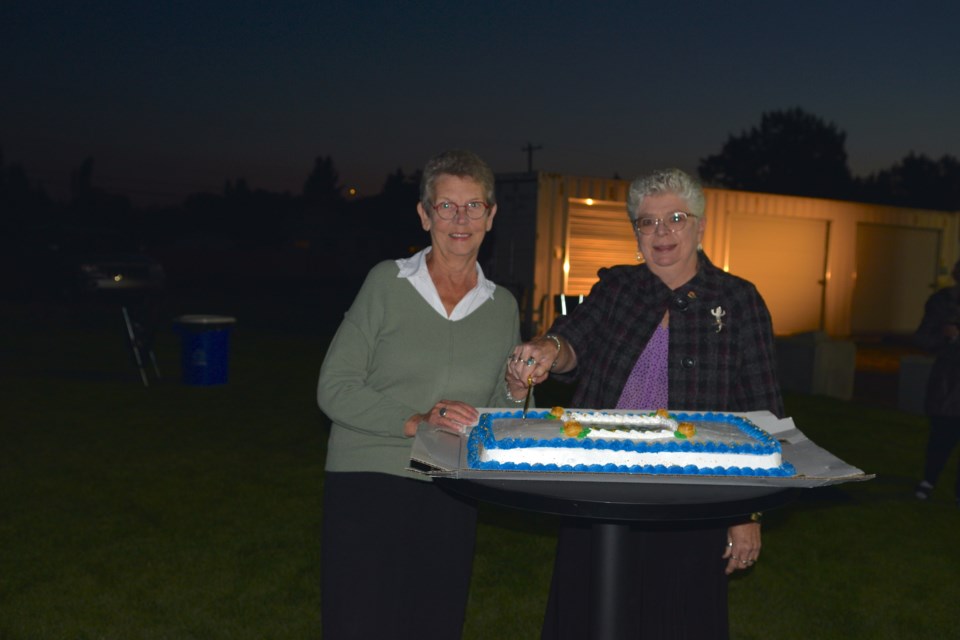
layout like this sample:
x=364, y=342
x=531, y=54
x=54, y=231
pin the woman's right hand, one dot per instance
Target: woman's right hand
x=449, y=415
x=531, y=362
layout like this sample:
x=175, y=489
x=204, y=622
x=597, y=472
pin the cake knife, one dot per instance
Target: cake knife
x=526, y=401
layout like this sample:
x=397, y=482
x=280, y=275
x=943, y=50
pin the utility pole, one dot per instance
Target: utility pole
x=529, y=149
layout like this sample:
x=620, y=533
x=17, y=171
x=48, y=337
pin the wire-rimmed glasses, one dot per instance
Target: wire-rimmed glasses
x=672, y=222
x=475, y=209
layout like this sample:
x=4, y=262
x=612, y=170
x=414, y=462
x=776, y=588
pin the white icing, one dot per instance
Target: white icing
x=588, y=418
x=541, y=437
x=572, y=456
x=628, y=434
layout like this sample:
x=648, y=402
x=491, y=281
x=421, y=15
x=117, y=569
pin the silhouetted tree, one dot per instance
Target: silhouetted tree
x=22, y=205
x=395, y=210
x=95, y=209
x=322, y=191
x=257, y=217
x=916, y=181
x=81, y=182
x=400, y=188
x=791, y=152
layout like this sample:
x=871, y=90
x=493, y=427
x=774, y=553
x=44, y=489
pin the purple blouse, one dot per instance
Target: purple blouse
x=646, y=387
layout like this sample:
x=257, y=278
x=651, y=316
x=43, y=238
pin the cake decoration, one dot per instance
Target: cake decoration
x=687, y=429
x=573, y=429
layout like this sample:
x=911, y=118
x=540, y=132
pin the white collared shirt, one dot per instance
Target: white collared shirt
x=415, y=270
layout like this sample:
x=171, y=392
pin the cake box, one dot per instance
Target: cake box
x=442, y=454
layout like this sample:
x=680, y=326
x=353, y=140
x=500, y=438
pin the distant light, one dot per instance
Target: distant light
x=589, y=202
x=352, y=192
x=118, y=277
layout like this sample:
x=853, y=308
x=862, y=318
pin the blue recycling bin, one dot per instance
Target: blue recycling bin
x=205, y=348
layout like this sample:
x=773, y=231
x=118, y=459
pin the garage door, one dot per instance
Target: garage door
x=597, y=236
x=786, y=259
x=896, y=273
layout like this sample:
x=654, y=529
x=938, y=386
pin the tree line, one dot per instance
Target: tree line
x=792, y=152
x=789, y=152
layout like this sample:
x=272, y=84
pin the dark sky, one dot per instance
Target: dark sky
x=173, y=97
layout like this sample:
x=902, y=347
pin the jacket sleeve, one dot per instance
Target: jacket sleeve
x=580, y=327
x=610, y=330
x=939, y=310
x=757, y=384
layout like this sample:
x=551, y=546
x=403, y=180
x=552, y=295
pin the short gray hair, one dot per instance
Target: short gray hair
x=460, y=163
x=674, y=181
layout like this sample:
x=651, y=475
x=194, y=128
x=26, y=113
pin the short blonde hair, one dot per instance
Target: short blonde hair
x=460, y=163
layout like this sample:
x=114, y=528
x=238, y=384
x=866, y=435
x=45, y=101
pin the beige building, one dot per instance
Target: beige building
x=843, y=268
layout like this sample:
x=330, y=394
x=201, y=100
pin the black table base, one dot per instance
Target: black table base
x=610, y=508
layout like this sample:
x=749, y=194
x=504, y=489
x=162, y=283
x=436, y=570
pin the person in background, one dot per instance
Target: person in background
x=939, y=332
x=424, y=342
x=673, y=332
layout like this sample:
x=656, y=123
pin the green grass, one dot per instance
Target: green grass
x=194, y=512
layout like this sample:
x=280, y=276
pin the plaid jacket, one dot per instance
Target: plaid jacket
x=717, y=362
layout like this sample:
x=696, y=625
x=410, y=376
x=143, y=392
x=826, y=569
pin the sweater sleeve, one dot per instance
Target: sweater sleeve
x=343, y=392
x=499, y=396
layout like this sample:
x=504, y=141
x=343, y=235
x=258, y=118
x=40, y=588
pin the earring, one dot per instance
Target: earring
x=639, y=257
x=700, y=247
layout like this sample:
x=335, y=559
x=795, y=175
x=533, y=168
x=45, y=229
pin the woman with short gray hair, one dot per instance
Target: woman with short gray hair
x=675, y=333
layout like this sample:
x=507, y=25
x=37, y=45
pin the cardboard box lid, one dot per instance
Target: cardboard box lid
x=440, y=453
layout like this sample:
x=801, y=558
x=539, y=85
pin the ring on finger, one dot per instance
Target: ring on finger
x=443, y=412
x=531, y=361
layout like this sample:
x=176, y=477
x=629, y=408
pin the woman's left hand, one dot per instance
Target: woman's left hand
x=743, y=546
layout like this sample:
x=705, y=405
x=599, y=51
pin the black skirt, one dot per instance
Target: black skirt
x=396, y=556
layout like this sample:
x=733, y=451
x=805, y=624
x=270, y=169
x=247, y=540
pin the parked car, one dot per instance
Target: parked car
x=72, y=263
x=118, y=273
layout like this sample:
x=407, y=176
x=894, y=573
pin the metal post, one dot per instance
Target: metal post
x=609, y=581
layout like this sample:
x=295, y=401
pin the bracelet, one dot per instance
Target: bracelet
x=556, y=341
x=512, y=399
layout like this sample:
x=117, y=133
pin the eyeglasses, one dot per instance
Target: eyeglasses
x=672, y=223
x=449, y=210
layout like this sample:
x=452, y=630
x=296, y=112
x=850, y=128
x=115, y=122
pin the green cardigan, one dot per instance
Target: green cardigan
x=394, y=356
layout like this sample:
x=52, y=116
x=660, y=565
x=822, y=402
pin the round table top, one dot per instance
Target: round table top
x=632, y=501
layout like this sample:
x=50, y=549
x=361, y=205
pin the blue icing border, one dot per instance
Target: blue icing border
x=482, y=434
